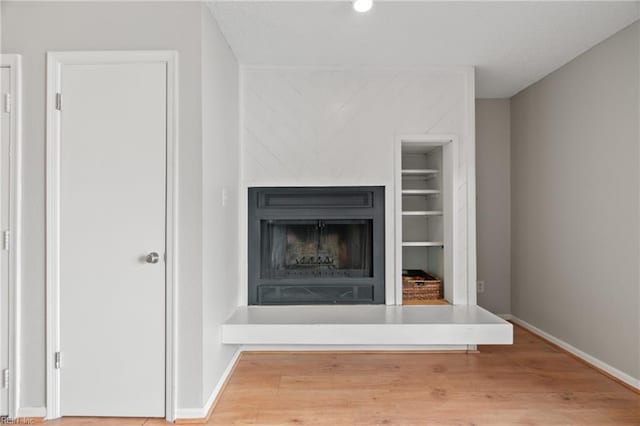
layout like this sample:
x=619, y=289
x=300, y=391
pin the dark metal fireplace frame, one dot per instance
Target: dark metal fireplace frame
x=317, y=203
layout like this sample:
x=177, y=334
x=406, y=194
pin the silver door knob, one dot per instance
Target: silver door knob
x=153, y=257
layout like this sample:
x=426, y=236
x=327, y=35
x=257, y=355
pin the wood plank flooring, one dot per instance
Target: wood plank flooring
x=530, y=382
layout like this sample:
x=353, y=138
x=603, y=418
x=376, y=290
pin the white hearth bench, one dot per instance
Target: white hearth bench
x=381, y=326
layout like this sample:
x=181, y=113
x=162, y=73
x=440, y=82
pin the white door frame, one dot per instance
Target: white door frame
x=14, y=63
x=55, y=60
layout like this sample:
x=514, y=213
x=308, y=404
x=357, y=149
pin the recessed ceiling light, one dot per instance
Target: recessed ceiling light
x=362, y=5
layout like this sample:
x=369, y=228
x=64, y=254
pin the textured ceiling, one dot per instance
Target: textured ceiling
x=512, y=44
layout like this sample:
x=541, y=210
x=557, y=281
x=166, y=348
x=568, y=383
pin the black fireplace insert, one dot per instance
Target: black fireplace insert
x=319, y=245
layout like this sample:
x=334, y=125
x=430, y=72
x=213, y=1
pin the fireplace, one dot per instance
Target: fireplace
x=316, y=245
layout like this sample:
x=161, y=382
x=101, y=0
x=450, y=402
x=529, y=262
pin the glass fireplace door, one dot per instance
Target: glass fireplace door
x=295, y=249
x=316, y=261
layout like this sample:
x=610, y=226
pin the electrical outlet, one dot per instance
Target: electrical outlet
x=480, y=287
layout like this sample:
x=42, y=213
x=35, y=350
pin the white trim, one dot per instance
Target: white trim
x=191, y=413
x=620, y=375
x=390, y=291
x=638, y=192
x=32, y=413
x=171, y=235
x=450, y=147
x=55, y=60
x=14, y=63
x=203, y=412
x=52, y=245
x=470, y=160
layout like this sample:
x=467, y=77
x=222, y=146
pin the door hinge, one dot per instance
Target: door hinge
x=59, y=101
x=7, y=102
x=56, y=360
x=6, y=238
x=5, y=378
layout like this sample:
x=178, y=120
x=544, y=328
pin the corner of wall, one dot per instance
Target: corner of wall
x=220, y=189
x=494, y=206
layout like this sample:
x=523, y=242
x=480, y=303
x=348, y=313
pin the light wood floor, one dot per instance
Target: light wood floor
x=530, y=382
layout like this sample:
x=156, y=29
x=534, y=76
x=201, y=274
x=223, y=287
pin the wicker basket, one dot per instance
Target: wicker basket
x=420, y=285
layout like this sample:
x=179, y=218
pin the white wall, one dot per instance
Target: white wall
x=306, y=127
x=493, y=171
x=575, y=202
x=220, y=172
x=206, y=133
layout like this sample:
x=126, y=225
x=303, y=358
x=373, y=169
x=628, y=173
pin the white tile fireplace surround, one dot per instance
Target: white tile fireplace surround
x=304, y=127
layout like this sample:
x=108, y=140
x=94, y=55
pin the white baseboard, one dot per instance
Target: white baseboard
x=203, y=412
x=190, y=413
x=31, y=412
x=506, y=317
x=620, y=375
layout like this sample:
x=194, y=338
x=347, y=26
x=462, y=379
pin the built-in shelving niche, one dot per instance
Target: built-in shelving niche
x=423, y=211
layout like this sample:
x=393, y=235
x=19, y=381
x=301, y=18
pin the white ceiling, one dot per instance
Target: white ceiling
x=512, y=44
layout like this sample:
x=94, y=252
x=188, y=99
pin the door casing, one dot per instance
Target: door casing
x=55, y=61
x=14, y=63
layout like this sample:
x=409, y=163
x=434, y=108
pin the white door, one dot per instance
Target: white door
x=113, y=140
x=5, y=182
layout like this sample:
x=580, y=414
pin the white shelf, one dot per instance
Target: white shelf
x=420, y=191
x=422, y=213
x=422, y=244
x=419, y=172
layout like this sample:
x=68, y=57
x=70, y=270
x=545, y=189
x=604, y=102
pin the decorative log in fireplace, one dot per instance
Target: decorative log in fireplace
x=316, y=245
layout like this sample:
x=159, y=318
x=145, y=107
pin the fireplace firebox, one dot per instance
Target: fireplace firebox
x=319, y=245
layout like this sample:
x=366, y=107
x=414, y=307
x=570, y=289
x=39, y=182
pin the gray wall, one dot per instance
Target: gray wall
x=31, y=29
x=575, y=194
x=493, y=208
x=220, y=172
